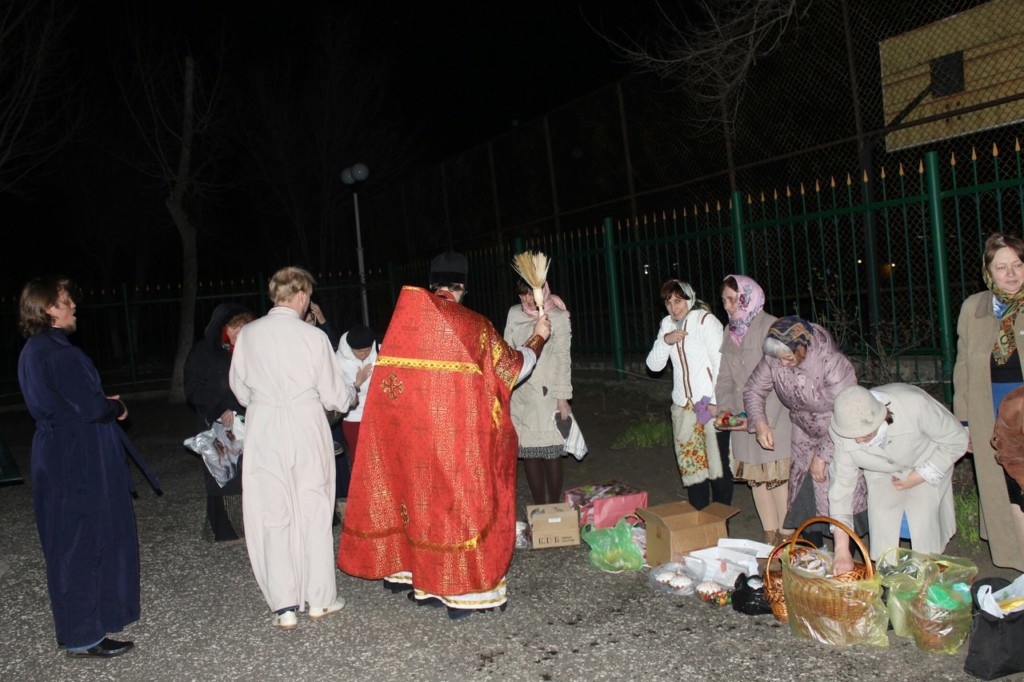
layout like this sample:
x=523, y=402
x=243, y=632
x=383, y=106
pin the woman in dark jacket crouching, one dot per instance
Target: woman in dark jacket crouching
x=208, y=393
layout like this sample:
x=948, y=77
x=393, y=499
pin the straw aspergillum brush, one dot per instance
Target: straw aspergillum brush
x=533, y=268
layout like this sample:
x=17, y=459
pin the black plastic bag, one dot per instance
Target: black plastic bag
x=997, y=644
x=748, y=597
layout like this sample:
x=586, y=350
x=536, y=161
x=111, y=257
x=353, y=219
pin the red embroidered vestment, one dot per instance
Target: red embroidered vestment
x=433, y=489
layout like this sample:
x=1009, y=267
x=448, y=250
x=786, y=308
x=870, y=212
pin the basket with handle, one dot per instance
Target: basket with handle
x=940, y=619
x=773, y=579
x=843, y=609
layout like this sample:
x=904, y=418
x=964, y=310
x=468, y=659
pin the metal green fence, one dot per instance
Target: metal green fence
x=892, y=308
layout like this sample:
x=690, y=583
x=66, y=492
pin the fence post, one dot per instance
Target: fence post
x=739, y=247
x=947, y=340
x=130, y=336
x=612, y=273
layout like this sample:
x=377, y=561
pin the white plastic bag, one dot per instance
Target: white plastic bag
x=570, y=431
x=220, y=448
x=988, y=601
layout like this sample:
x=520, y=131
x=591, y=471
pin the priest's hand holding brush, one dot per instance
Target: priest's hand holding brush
x=533, y=268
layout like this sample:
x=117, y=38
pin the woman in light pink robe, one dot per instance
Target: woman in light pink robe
x=285, y=373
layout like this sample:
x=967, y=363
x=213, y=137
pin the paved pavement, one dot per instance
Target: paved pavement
x=203, y=617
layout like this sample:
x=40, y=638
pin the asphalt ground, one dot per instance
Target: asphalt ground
x=203, y=617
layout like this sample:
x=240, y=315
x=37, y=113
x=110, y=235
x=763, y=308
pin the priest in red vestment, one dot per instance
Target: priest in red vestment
x=431, y=504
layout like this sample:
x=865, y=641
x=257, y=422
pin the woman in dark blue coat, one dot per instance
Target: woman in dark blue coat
x=81, y=488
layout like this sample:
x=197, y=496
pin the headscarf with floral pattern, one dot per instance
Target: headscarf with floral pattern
x=748, y=305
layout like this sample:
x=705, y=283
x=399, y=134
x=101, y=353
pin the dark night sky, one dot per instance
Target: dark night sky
x=461, y=73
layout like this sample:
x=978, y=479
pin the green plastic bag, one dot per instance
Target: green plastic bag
x=929, y=597
x=902, y=571
x=612, y=549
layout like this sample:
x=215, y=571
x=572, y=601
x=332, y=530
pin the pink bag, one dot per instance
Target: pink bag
x=603, y=504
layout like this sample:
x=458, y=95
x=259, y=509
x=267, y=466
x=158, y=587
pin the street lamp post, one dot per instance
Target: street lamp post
x=350, y=176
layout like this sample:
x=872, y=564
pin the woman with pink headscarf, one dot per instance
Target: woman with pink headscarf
x=765, y=471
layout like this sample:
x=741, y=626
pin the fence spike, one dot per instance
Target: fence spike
x=762, y=196
x=849, y=180
x=833, y=182
x=775, y=194
x=952, y=158
x=684, y=213
x=674, y=216
x=728, y=205
x=750, y=199
x=920, y=167
x=718, y=205
x=995, y=149
x=802, y=191
x=664, y=217
x=882, y=173
x=1016, y=144
x=974, y=154
x=645, y=220
x=865, y=176
x=901, y=169
x=817, y=186
x=789, y=192
x=707, y=207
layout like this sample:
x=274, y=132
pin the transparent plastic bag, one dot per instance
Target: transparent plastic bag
x=612, y=549
x=940, y=614
x=929, y=597
x=220, y=448
x=902, y=572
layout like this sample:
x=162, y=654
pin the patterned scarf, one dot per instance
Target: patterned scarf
x=1005, y=308
x=550, y=301
x=793, y=331
x=749, y=304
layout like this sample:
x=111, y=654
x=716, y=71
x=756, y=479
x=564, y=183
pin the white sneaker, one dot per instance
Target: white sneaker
x=285, y=621
x=318, y=612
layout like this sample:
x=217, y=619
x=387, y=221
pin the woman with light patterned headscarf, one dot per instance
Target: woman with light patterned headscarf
x=765, y=471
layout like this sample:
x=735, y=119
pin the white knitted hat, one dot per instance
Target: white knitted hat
x=857, y=413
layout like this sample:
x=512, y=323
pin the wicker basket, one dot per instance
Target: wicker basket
x=838, y=610
x=937, y=629
x=773, y=579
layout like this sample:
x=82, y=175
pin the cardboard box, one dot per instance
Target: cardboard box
x=676, y=528
x=553, y=525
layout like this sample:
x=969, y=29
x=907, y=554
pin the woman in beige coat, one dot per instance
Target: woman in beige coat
x=906, y=443
x=765, y=471
x=988, y=366
x=547, y=390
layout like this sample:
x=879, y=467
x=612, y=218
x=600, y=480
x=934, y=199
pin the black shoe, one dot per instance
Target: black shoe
x=459, y=614
x=335, y=521
x=396, y=588
x=429, y=601
x=108, y=648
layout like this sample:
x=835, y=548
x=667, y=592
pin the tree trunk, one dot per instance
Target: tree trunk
x=189, y=255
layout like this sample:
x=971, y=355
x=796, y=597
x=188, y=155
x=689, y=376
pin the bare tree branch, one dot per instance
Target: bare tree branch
x=711, y=59
x=36, y=105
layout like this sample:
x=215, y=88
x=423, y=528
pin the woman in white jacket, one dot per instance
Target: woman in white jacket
x=357, y=353
x=691, y=336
